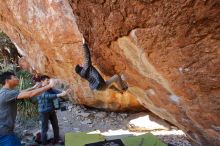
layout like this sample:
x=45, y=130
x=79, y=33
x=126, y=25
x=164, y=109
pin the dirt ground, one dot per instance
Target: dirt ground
x=79, y=118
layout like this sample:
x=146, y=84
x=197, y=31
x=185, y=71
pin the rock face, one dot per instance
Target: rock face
x=168, y=51
x=46, y=34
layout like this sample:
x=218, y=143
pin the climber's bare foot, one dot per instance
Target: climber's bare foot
x=120, y=88
x=124, y=86
x=125, y=89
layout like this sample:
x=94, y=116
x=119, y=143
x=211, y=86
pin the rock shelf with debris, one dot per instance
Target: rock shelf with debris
x=82, y=119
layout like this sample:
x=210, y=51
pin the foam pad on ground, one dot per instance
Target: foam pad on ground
x=82, y=138
x=143, y=140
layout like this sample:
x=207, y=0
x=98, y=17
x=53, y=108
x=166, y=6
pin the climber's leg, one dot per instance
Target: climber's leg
x=118, y=80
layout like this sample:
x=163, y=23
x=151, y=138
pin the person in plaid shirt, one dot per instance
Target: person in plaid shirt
x=96, y=81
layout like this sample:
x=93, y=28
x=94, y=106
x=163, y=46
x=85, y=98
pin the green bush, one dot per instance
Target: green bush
x=26, y=108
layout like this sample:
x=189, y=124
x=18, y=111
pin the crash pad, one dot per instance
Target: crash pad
x=143, y=140
x=82, y=138
x=116, y=142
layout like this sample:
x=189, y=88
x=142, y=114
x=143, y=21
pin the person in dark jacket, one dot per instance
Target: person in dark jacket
x=47, y=111
x=89, y=72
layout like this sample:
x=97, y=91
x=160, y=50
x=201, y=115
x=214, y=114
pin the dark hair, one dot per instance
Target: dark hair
x=78, y=69
x=36, y=79
x=5, y=76
x=44, y=77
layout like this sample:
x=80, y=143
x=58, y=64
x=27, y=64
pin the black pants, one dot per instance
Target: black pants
x=45, y=117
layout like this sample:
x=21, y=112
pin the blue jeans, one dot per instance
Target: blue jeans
x=9, y=140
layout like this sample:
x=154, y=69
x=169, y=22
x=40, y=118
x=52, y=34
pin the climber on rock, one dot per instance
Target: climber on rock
x=89, y=72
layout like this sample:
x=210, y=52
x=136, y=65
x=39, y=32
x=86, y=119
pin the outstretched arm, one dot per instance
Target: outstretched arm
x=32, y=93
x=35, y=92
x=37, y=85
x=60, y=94
x=87, y=57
